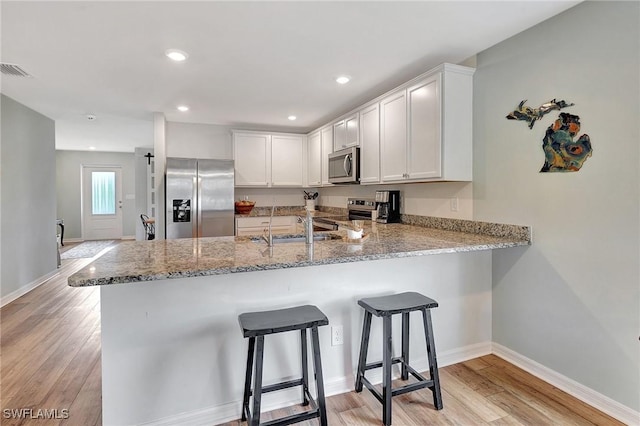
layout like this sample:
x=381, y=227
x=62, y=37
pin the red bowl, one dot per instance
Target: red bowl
x=244, y=208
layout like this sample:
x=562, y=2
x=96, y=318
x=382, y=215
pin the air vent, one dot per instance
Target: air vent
x=14, y=70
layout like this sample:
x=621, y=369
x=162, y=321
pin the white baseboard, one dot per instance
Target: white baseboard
x=26, y=288
x=231, y=411
x=573, y=388
x=128, y=237
x=73, y=240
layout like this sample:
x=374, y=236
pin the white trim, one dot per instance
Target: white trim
x=573, y=388
x=73, y=240
x=5, y=300
x=80, y=240
x=231, y=411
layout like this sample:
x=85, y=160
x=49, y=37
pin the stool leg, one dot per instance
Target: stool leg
x=257, y=382
x=305, y=367
x=247, y=377
x=386, y=370
x=317, y=366
x=364, y=346
x=431, y=355
x=405, y=345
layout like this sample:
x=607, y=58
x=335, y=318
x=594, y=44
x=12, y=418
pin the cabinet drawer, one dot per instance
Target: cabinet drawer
x=259, y=230
x=246, y=222
x=257, y=225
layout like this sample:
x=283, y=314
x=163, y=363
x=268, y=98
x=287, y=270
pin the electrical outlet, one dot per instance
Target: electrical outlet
x=337, y=337
x=454, y=204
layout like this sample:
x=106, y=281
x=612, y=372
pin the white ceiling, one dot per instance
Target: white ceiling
x=251, y=64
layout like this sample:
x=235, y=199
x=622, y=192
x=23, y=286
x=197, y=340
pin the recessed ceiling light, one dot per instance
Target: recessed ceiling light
x=343, y=79
x=183, y=108
x=92, y=148
x=176, y=55
x=292, y=117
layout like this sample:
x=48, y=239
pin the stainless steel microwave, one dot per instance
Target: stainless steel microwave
x=344, y=166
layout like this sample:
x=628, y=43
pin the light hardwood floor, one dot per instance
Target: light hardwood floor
x=50, y=359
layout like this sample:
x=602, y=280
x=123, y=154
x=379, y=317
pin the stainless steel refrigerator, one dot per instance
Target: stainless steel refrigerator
x=199, y=198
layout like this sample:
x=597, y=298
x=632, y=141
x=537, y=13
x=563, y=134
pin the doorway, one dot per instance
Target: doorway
x=101, y=202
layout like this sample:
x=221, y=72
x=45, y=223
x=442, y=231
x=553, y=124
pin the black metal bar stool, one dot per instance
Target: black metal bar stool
x=255, y=325
x=385, y=307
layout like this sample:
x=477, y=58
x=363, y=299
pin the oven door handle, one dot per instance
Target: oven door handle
x=356, y=216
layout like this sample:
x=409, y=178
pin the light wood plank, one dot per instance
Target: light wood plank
x=50, y=358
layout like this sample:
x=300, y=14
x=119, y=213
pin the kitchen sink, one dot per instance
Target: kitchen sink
x=297, y=238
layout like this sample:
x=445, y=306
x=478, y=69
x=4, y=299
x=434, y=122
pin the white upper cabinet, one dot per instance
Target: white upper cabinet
x=287, y=160
x=314, y=151
x=393, y=137
x=326, y=135
x=252, y=157
x=426, y=128
x=424, y=143
x=268, y=159
x=370, y=144
x=345, y=133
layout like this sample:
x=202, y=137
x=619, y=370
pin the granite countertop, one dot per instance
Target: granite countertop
x=135, y=261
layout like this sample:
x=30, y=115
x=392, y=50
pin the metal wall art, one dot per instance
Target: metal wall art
x=530, y=115
x=561, y=152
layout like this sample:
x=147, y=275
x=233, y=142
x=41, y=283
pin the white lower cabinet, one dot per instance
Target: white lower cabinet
x=257, y=225
x=269, y=160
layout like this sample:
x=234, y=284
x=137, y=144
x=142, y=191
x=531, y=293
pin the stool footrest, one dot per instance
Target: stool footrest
x=282, y=385
x=415, y=374
x=421, y=384
x=372, y=389
x=373, y=365
x=294, y=418
x=411, y=387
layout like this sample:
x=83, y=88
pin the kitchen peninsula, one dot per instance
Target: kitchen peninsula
x=171, y=348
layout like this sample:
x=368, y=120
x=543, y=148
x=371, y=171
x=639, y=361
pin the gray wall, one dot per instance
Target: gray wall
x=28, y=227
x=68, y=184
x=571, y=301
x=188, y=140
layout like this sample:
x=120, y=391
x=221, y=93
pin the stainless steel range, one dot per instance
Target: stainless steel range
x=361, y=208
x=358, y=209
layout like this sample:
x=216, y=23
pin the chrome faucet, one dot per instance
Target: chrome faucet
x=308, y=227
x=269, y=238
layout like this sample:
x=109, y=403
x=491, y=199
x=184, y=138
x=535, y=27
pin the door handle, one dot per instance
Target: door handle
x=347, y=164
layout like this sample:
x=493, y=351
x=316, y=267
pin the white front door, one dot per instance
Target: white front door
x=101, y=203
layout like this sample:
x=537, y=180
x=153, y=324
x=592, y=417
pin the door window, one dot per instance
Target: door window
x=103, y=193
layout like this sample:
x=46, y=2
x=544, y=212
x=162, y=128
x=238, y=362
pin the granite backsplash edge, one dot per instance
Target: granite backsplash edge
x=519, y=232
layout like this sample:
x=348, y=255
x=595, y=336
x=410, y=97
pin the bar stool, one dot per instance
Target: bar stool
x=385, y=307
x=256, y=325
